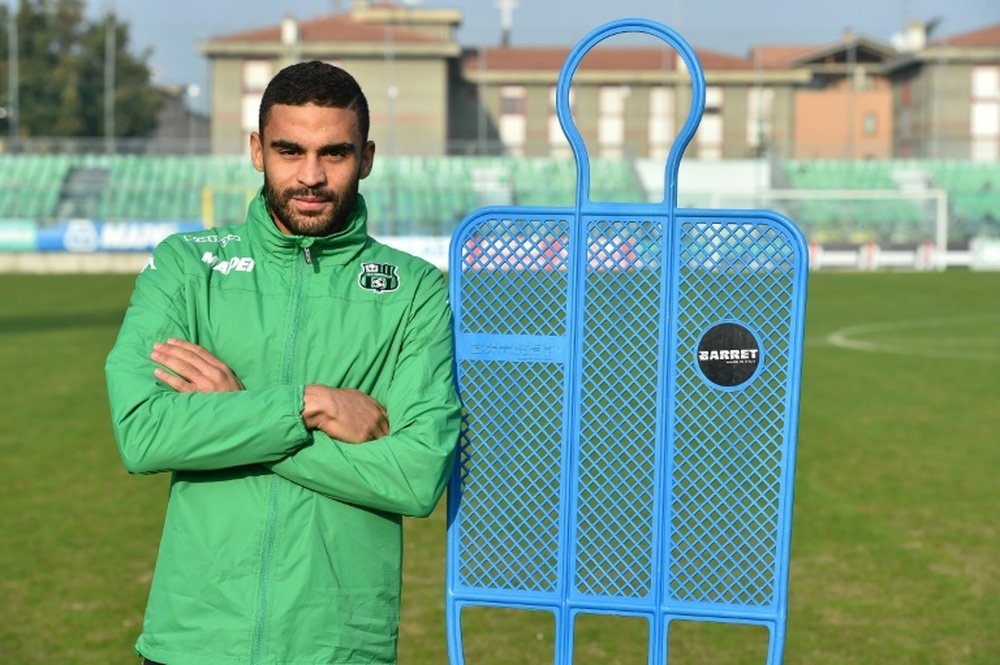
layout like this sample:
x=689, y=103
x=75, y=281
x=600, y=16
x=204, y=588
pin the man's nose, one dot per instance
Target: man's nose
x=311, y=173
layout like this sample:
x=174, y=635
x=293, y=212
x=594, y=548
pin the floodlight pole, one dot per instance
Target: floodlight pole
x=13, y=84
x=391, y=93
x=110, y=38
x=482, y=113
x=852, y=63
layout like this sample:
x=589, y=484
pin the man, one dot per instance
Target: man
x=295, y=377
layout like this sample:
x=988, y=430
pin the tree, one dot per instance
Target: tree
x=61, y=82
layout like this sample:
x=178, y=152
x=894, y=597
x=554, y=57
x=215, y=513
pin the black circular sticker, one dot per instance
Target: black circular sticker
x=728, y=354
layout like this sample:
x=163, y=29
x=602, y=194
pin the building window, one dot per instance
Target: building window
x=986, y=83
x=512, y=100
x=250, y=112
x=256, y=75
x=611, y=121
x=513, y=123
x=985, y=113
x=760, y=105
x=709, y=134
x=869, y=124
x=661, y=122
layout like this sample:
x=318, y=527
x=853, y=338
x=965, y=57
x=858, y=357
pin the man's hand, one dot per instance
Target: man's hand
x=195, y=370
x=344, y=414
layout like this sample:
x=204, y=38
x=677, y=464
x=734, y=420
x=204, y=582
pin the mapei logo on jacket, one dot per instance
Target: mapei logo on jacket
x=378, y=277
x=235, y=264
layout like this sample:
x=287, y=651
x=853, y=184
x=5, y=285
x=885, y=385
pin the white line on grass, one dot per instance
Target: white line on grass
x=942, y=345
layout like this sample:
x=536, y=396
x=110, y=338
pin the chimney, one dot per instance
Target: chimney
x=507, y=8
x=289, y=31
x=916, y=35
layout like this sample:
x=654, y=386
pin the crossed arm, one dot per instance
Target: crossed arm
x=341, y=413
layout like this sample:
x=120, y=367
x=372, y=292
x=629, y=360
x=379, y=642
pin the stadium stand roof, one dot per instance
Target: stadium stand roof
x=334, y=28
x=983, y=37
x=528, y=58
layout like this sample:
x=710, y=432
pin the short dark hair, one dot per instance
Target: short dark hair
x=317, y=83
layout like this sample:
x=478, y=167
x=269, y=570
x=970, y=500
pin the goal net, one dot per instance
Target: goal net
x=864, y=229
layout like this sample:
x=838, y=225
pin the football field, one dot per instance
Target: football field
x=896, y=539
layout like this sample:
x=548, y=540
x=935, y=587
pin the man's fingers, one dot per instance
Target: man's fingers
x=345, y=414
x=183, y=363
x=192, y=368
x=183, y=373
x=383, y=425
x=192, y=352
x=194, y=349
x=179, y=384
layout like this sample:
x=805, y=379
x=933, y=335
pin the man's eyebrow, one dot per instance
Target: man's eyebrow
x=344, y=148
x=282, y=144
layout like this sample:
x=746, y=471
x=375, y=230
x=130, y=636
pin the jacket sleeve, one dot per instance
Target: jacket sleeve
x=158, y=429
x=406, y=471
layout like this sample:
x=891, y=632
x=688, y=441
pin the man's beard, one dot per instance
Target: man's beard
x=280, y=205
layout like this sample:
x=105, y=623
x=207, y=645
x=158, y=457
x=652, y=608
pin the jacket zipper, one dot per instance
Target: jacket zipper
x=260, y=627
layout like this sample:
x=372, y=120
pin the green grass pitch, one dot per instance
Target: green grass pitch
x=896, y=540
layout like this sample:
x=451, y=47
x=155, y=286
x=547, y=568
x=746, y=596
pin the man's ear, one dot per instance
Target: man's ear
x=257, y=151
x=367, y=159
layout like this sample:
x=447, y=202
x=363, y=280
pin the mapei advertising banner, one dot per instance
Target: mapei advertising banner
x=18, y=235
x=87, y=235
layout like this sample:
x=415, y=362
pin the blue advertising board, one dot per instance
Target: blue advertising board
x=88, y=235
x=17, y=235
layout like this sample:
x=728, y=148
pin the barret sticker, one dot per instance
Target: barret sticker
x=728, y=354
x=378, y=277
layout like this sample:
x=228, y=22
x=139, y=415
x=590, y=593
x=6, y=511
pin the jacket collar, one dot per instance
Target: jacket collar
x=337, y=248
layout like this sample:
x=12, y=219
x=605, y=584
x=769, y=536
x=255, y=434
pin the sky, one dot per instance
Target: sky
x=171, y=31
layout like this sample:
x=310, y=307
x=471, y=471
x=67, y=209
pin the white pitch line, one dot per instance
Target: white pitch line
x=945, y=346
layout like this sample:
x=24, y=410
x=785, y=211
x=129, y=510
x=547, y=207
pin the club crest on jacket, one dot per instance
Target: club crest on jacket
x=378, y=277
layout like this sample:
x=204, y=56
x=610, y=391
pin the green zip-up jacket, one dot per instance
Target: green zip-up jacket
x=282, y=545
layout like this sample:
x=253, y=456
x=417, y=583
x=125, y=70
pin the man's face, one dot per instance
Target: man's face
x=312, y=158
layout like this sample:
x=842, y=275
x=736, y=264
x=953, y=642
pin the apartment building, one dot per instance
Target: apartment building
x=854, y=98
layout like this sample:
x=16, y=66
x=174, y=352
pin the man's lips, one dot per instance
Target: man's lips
x=309, y=203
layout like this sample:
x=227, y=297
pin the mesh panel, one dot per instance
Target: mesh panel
x=616, y=463
x=728, y=444
x=510, y=465
x=515, y=273
x=515, y=288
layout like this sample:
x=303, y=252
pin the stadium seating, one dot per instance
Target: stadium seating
x=973, y=192
x=30, y=184
x=428, y=195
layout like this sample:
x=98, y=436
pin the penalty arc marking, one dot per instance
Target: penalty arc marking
x=944, y=342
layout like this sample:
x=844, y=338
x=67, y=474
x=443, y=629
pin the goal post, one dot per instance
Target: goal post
x=225, y=204
x=862, y=228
